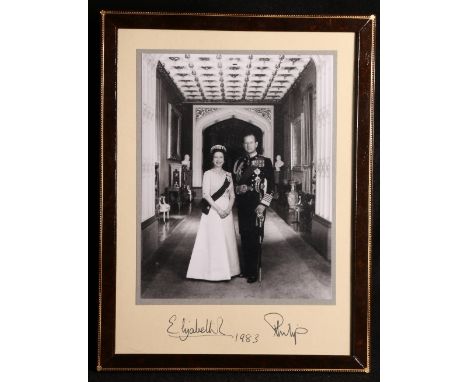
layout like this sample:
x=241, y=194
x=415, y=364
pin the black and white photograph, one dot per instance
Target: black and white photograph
x=236, y=177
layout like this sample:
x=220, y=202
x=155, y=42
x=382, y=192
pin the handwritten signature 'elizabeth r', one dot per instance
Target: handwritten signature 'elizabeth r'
x=276, y=321
x=183, y=329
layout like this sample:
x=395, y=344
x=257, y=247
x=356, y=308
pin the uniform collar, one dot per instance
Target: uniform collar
x=253, y=155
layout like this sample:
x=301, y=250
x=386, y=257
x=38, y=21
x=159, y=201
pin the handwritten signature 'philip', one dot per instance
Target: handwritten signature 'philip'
x=276, y=322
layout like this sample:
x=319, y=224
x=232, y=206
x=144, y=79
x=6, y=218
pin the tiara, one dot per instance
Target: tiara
x=218, y=147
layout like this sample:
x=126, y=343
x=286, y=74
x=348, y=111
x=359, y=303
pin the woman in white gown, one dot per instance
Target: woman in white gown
x=214, y=255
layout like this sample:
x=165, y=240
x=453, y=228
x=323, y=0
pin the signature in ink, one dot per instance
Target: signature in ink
x=185, y=328
x=276, y=322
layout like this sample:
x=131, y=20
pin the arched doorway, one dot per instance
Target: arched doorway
x=205, y=116
x=229, y=133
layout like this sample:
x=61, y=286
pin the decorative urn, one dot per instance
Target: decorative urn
x=292, y=195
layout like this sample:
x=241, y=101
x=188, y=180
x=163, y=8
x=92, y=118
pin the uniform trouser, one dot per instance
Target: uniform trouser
x=250, y=253
x=249, y=233
x=250, y=240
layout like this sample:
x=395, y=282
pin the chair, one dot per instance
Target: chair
x=164, y=208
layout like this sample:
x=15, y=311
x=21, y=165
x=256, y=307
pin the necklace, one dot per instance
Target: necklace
x=218, y=172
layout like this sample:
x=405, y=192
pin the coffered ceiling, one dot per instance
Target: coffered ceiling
x=233, y=77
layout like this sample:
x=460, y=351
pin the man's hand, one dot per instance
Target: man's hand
x=260, y=209
x=242, y=189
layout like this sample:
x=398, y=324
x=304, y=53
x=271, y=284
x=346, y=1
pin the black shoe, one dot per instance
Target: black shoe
x=251, y=279
x=241, y=275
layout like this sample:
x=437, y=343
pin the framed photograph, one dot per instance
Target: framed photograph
x=173, y=133
x=229, y=277
x=297, y=140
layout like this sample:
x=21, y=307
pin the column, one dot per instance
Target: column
x=149, y=144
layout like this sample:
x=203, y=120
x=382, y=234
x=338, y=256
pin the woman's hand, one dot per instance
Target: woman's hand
x=222, y=213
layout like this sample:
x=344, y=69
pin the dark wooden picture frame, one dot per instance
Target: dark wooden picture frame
x=363, y=150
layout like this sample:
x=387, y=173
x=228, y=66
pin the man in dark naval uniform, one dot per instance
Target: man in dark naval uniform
x=254, y=181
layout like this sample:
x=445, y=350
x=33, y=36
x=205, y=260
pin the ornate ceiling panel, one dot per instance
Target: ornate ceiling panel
x=233, y=77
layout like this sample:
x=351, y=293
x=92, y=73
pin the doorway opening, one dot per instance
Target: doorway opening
x=229, y=133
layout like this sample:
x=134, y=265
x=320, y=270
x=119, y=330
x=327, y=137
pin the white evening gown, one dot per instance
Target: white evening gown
x=214, y=255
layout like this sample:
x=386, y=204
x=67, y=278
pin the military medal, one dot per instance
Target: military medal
x=257, y=179
x=258, y=162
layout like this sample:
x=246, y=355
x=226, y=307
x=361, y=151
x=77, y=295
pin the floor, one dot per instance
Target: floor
x=299, y=223
x=292, y=269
